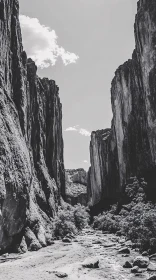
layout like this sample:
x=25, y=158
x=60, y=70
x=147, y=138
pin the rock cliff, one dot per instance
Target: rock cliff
x=129, y=148
x=31, y=147
x=76, y=186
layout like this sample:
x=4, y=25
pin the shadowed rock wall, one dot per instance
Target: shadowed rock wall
x=129, y=148
x=32, y=177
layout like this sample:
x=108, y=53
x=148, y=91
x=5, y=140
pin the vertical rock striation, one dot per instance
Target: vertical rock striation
x=76, y=186
x=32, y=178
x=129, y=148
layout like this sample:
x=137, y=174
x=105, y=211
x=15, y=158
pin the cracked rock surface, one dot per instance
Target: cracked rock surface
x=31, y=146
x=129, y=148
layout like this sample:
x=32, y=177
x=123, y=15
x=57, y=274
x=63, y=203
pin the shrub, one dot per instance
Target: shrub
x=81, y=217
x=107, y=222
x=70, y=220
x=136, y=220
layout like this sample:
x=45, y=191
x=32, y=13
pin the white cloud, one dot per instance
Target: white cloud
x=40, y=43
x=82, y=131
x=71, y=129
x=85, y=161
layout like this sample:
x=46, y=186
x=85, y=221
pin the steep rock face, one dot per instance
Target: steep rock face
x=77, y=175
x=31, y=150
x=103, y=170
x=130, y=148
x=76, y=186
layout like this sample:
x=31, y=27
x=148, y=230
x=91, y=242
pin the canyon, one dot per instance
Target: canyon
x=39, y=197
x=34, y=182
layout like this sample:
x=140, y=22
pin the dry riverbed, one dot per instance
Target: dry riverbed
x=65, y=259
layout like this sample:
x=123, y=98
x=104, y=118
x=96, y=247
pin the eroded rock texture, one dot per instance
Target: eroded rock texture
x=76, y=186
x=31, y=146
x=129, y=148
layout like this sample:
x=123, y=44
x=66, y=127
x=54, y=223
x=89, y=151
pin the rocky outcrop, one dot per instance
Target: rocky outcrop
x=31, y=145
x=103, y=170
x=76, y=186
x=78, y=176
x=129, y=148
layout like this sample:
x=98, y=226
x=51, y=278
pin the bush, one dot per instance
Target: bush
x=81, y=217
x=107, y=222
x=70, y=220
x=136, y=220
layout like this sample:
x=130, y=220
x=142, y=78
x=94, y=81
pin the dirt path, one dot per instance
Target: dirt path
x=68, y=258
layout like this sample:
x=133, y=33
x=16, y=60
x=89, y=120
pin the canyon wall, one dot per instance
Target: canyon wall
x=32, y=178
x=76, y=186
x=129, y=148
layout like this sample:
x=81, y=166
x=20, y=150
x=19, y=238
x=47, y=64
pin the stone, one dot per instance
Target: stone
x=23, y=245
x=141, y=262
x=97, y=242
x=151, y=267
x=91, y=263
x=6, y=255
x=66, y=240
x=61, y=274
x=127, y=264
x=32, y=176
x=118, y=233
x=124, y=250
x=152, y=257
x=70, y=235
x=135, y=269
x=145, y=254
x=128, y=243
x=31, y=240
x=125, y=256
x=153, y=277
x=122, y=240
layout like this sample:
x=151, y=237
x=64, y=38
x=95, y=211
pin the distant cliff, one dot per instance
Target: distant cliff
x=129, y=148
x=76, y=186
x=31, y=147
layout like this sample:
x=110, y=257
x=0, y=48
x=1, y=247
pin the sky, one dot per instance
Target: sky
x=79, y=44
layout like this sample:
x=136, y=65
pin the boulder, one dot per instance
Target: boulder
x=141, y=262
x=124, y=250
x=153, y=277
x=66, y=240
x=31, y=240
x=151, y=267
x=61, y=274
x=127, y=264
x=145, y=254
x=135, y=269
x=91, y=263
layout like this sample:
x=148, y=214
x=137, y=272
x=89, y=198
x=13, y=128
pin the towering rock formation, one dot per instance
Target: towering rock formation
x=76, y=186
x=129, y=148
x=32, y=176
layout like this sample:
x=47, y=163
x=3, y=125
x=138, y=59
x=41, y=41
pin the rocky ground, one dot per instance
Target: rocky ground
x=71, y=260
